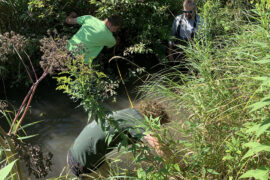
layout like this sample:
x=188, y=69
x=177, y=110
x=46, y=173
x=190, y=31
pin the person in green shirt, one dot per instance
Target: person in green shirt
x=93, y=35
x=88, y=151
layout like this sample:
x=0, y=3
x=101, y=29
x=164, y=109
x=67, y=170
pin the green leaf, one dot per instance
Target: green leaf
x=259, y=129
x=263, y=127
x=265, y=79
x=89, y=116
x=30, y=124
x=27, y=137
x=2, y=68
x=261, y=174
x=150, y=169
x=255, y=148
x=6, y=170
x=176, y=167
x=109, y=139
x=260, y=105
x=212, y=171
x=141, y=173
x=253, y=129
x=265, y=60
x=227, y=157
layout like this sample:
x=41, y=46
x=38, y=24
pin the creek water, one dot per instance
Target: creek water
x=61, y=122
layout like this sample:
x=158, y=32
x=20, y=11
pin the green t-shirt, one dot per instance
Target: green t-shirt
x=90, y=147
x=91, y=37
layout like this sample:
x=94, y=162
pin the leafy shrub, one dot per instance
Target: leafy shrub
x=12, y=49
x=86, y=84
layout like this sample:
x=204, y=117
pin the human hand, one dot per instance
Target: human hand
x=117, y=40
x=73, y=14
x=153, y=142
x=71, y=19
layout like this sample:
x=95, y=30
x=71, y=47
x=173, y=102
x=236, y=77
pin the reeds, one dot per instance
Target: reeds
x=222, y=83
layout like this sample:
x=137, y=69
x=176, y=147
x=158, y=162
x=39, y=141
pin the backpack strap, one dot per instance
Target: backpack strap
x=194, y=27
x=179, y=26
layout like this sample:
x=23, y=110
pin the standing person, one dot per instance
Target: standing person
x=93, y=35
x=184, y=28
x=89, y=149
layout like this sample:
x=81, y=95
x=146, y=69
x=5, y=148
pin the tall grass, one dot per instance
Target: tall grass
x=227, y=76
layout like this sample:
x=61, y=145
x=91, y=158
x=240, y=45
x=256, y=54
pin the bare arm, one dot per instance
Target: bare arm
x=71, y=19
x=153, y=142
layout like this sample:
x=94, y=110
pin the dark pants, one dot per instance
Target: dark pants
x=76, y=168
x=177, y=52
x=178, y=62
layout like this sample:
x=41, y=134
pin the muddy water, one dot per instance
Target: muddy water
x=61, y=123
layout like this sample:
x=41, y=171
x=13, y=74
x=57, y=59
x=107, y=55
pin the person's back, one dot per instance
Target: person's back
x=90, y=147
x=93, y=35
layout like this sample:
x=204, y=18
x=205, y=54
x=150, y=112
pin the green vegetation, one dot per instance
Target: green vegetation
x=88, y=86
x=225, y=93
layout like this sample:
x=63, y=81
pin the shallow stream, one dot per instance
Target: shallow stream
x=61, y=122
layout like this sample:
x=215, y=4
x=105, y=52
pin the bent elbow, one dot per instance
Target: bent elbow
x=67, y=20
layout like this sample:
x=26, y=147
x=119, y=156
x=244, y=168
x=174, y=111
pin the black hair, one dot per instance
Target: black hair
x=152, y=108
x=115, y=20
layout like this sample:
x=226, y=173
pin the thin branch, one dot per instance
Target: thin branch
x=171, y=12
x=26, y=108
x=33, y=69
x=20, y=109
x=30, y=98
x=26, y=68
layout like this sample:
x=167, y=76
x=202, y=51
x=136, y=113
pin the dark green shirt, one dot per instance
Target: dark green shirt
x=91, y=146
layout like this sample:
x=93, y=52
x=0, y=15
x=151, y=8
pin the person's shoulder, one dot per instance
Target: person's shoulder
x=178, y=17
x=122, y=111
x=199, y=19
x=127, y=113
x=92, y=124
x=88, y=18
x=84, y=16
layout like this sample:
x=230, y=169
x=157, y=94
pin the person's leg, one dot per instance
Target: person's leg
x=74, y=166
x=101, y=173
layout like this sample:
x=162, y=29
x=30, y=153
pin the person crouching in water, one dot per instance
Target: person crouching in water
x=87, y=153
